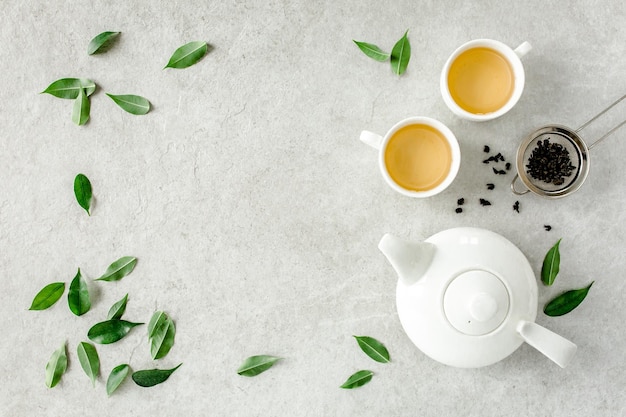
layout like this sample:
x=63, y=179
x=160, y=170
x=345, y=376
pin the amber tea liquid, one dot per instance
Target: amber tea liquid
x=418, y=157
x=481, y=80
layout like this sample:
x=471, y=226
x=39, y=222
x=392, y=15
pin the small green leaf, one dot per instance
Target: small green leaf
x=358, y=379
x=116, y=377
x=400, y=55
x=101, y=41
x=255, y=365
x=80, y=111
x=82, y=191
x=152, y=377
x=110, y=331
x=56, y=366
x=187, y=55
x=78, y=295
x=48, y=295
x=117, y=310
x=119, y=269
x=372, y=51
x=69, y=88
x=132, y=104
x=89, y=360
x=566, y=302
x=551, y=263
x=161, y=333
x=373, y=348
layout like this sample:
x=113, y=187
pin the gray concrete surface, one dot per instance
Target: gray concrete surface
x=255, y=212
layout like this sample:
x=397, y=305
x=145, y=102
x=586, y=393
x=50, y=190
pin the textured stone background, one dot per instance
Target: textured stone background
x=255, y=212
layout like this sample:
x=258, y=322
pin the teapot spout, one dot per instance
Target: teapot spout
x=409, y=259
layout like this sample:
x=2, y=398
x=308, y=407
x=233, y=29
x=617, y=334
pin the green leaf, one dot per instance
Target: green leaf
x=110, y=331
x=82, y=191
x=132, y=104
x=80, y=111
x=89, y=360
x=400, y=55
x=69, y=88
x=566, y=302
x=117, y=310
x=187, y=55
x=78, y=295
x=551, y=263
x=152, y=377
x=101, y=41
x=372, y=51
x=255, y=365
x=161, y=331
x=119, y=269
x=56, y=366
x=116, y=377
x=358, y=379
x=48, y=295
x=373, y=348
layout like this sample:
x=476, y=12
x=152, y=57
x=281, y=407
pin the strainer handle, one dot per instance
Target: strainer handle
x=515, y=191
x=600, y=114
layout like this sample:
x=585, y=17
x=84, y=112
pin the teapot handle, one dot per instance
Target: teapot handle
x=555, y=347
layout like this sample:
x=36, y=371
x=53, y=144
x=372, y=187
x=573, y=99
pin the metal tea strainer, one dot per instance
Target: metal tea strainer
x=553, y=161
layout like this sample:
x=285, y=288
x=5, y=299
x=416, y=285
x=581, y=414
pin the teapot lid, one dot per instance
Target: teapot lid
x=464, y=310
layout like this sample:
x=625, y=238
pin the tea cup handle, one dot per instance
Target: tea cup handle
x=523, y=49
x=371, y=139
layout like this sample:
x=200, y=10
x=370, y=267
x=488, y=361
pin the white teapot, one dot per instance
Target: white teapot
x=467, y=297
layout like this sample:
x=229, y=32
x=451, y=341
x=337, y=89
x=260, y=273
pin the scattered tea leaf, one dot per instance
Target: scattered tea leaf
x=372, y=51
x=78, y=295
x=89, y=360
x=373, y=348
x=255, y=365
x=119, y=269
x=400, y=55
x=110, y=331
x=80, y=111
x=152, y=377
x=358, y=379
x=136, y=105
x=116, y=377
x=56, y=366
x=162, y=331
x=566, y=302
x=551, y=263
x=48, y=295
x=83, y=192
x=100, y=41
x=117, y=310
x=187, y=55
x=69, y=88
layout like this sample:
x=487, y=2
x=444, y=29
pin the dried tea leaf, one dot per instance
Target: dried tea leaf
x=358, y=379
x=110, y=331
x=89, y=360
x=372, y=51
x=566, y=302
x=373, y=348
x=48, y=295
x=132, y=104
x=116, y=377
x=254, y=365
x=187, y=55
x=152, y=377
x=119, y=269
x=56, y=366
x=83, y=192
x=101, y=41
x=69, y=88
x=551, y=263
x=78, y=295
